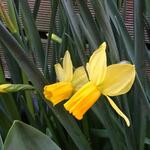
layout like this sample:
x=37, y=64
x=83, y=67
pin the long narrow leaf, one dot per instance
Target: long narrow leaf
x=1, y=144
x=74, y=24
x=31, y=32
x=2, y=76
x=140, y=121
x=12, y=14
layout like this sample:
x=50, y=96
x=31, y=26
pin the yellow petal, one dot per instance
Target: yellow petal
x=58, y=92
x=59, y=72
x=68, y=67
x=82, y=100
x=97, y=65
x=119, y=112
x=3, y=87
x=118, y=80
x=79, y=78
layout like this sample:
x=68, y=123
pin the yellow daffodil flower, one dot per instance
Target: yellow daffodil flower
x=112, y=80
x=69, y=82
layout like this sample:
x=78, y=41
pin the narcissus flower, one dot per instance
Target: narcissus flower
x=113, y=80
x=69, y=82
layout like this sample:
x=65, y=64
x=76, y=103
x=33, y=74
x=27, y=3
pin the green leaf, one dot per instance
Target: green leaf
x=13, y=67
x=115, y=17
x=32, y=32
x=147, y=141
x=36, y=8
x=147, y=8
x=22, y=137
x=139, y=118
x=10, y=103
x=2, y=76
x=1, y=143
x=115, y=130
x=74, y=25
x=6, y=119
x=102, y=133
x=139, y=39
x=12, y=14
x=54, y=5
x=88, y=25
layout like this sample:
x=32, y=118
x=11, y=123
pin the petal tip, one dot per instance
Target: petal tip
x=79, y=118
x=103, y=45
x=45, y=87
x=67, y=52
x=133, y=66
x=128, y=123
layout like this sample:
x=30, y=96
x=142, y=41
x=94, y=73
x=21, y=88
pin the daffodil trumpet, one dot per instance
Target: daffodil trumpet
x=113, y=80
x=69, y=81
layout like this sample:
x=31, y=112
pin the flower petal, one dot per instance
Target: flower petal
x=59, y=72
x=118, y=80
x=97, y=65
x=82, y=100
x=79, y=78
x=67, y=66
x=119, y=112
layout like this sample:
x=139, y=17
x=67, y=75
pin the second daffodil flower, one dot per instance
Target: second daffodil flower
x=69, y=81
x=112, y=80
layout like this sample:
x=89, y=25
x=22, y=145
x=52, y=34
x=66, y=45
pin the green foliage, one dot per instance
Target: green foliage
x=22, y=136
x=1, y=144
x=101, y=128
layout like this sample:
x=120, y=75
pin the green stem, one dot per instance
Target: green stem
x=28, y=96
